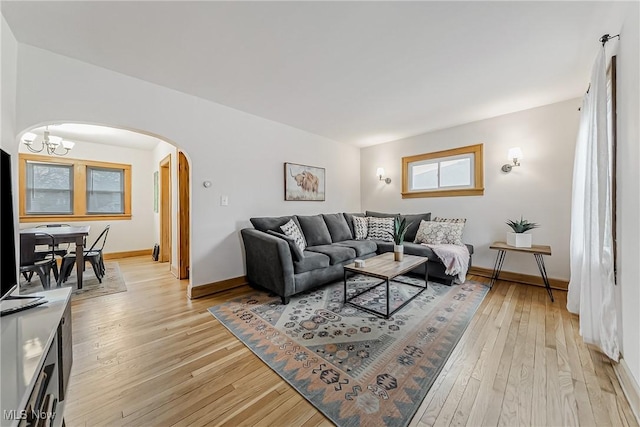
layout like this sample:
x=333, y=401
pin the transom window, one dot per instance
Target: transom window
x=69, y=189
x=456, y=172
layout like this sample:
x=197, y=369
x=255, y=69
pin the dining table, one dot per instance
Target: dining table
x=64, y=234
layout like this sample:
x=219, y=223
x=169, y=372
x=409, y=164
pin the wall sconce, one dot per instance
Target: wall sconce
x=380, y=173
x=514, y=155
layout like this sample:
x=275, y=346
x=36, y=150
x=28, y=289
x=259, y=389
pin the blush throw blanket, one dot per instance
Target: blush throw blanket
x=455, y=259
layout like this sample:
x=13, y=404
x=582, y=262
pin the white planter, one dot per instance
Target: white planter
x=398, y=252
x=519, y=240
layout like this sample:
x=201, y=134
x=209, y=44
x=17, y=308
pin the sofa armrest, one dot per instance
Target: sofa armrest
x=269, y=262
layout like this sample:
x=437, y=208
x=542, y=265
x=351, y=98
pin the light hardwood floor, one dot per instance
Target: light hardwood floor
x=152, y=357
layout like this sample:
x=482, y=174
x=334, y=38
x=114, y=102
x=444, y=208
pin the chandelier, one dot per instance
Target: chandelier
x=49, y=142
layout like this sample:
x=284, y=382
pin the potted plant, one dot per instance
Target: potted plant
x=399, y=230
x=518, y=237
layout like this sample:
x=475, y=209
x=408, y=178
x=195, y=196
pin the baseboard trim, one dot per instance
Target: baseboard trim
x=174, y=271
x=127, y=254
x=527, y=279
x=629, y=386
x=194, y=292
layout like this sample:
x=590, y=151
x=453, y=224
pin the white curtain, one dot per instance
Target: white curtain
x=591, y=288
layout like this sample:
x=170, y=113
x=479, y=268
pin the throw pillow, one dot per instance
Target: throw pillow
x=440, y=233
x=453, y=220
x=379, y=229
x=360, y=227
x=291, y=229
x=414, y=221
x=297, y=253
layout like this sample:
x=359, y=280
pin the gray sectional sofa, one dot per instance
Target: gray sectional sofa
x=275, y=263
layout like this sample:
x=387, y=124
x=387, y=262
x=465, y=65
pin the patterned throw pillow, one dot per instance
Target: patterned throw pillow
x=291, y=229
x=452, y=220
x=440, y=233
x=360, y=227
x=378, y=228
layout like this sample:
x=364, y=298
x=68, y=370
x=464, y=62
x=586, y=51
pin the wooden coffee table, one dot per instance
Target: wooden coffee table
x=385, y=268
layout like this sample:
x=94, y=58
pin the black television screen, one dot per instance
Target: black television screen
x=8, y=268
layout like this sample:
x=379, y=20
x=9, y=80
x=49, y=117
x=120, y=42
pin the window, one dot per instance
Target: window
x=456, y=172
x=49, y=188
x=56, y=189
x=105, y=190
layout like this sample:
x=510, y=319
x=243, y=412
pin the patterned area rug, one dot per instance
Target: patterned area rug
x=356, y=368
x=112, y=283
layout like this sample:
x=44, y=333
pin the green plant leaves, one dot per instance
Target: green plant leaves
x=522, y=225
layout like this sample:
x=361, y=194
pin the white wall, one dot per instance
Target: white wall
x=540, y=189
x=241, y=154
x=124, y=235
x=8, y=71
x=628, y=181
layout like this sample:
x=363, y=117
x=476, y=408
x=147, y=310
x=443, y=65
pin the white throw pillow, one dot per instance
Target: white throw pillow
x=360, y=227
x=440, y=233
x=291, y=229
x=379, y=229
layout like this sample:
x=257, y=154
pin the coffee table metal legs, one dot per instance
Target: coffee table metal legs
x=387, y=282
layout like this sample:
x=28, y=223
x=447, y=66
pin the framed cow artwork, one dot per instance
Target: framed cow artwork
x=302, y=182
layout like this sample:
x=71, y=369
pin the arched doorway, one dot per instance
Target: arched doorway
x=102, y=143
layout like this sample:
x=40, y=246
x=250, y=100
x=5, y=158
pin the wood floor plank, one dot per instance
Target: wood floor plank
x=152, y=357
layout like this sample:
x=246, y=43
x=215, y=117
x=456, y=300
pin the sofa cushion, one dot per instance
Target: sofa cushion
x=296, y=251
x=338, y=227
x=440, y=233
x=310, y=261
x=271, y=223
x=336, y=253
x=380, y=214
x=414, y=219
x=362, y=247
x=419, y=250
x=315, y=230
x=384, y=247
x=414, y=249
x=349, y=218
x=379, y=229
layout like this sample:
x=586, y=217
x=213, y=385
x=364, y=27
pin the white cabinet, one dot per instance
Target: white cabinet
x=35, y=362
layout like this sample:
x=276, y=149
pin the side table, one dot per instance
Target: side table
x=537, y=250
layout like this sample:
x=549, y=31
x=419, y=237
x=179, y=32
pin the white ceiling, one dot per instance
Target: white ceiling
x=357, y=72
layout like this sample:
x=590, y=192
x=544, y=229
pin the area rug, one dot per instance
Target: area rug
x=356, y=368
x=112, y=283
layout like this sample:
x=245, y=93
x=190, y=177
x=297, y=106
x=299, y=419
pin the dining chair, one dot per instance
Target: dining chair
x=92, y=255
x=57, y=248
x=30, y=264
